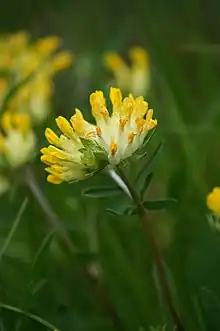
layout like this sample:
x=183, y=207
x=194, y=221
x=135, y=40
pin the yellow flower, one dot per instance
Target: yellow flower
x=134, y=78
x=213, y=201
x=34, y=98
x=42, y=60
x=84, y=148
x=17, y=144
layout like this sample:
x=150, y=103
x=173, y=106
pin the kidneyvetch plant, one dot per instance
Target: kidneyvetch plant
x=84, y=149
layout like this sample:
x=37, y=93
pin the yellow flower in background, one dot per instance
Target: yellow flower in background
x=10, y=47
x=213, y=201
x=17, y=142
x=41, y=59
x=134, y=78
x=84, y=148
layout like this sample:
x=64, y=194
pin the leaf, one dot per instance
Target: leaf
x=13, y=228
x=29, y=315
x=160, y=290
x=149, y=163
x=159, y=204
x=146, y=184
x=148, y=138
x=101, y=192
x=43, y=249
x=199, y=313
x=127, y=212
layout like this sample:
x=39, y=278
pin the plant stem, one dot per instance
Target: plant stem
x=98, y=290
x=47, y=208
x=155, y=250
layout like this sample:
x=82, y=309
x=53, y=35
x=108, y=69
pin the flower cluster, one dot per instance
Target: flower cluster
x=134, y=78
x=26, y=85
x=37, y=62
x=17, y=141
x=83, y=148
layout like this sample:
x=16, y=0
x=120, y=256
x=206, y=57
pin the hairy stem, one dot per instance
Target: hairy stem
x=98, y=290
x=155, y=251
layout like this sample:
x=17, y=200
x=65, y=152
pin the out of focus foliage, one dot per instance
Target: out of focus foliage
x=64, y=259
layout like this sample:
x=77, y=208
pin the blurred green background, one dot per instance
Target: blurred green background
x=45, y=274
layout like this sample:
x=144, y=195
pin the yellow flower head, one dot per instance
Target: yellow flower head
x=213, y=201
x=17, y=144
x=41, y=59
x=83, y=148
x=134, y=78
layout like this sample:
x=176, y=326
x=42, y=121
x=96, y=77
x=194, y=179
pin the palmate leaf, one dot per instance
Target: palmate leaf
x=101, y=192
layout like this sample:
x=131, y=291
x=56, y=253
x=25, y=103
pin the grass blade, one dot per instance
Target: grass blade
x=14, y=227
x=34, y=317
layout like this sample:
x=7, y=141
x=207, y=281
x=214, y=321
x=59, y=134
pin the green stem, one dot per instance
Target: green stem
x=155, y=250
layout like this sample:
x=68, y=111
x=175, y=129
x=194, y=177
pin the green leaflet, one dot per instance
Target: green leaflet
x=101, y=192
x=159, y=204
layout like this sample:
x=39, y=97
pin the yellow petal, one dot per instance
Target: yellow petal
x=149, y=115
x=47, y=45
x=65, y=127
x=98, y=105
x=62, y=61
x=58, y=153
x=113, y=61
x=116, y=98
x=54, y=179
x=18, y=41
x=44, y=150
x=49, y=159
x=77, y=121
x=51, y=136
x=213, y=201
x=141, y=107
x=127, y=107
x=152, y=124
x=139, y=56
